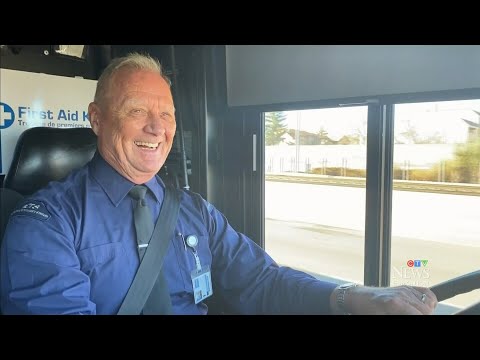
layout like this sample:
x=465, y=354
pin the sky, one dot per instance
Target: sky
x=427, y=118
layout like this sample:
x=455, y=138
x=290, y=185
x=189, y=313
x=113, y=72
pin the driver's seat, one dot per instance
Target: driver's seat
x=43, y=154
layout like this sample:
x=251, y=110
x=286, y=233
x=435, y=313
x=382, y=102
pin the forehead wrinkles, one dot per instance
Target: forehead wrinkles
x=146, y=99
x=126, y=82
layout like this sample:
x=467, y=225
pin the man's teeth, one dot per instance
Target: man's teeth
x=147, y=144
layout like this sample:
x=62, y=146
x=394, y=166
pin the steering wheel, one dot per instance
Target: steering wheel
x=459, y=285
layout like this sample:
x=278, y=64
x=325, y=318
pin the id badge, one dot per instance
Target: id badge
x=202, y=284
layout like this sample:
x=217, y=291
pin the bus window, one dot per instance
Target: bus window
x=315, y=162
x=435, y=234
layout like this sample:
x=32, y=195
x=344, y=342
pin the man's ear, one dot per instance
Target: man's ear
x=94, y=117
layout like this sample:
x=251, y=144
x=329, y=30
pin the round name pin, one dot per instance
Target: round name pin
x=192, y=241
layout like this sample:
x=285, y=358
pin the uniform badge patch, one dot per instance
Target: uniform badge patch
x=33, y=208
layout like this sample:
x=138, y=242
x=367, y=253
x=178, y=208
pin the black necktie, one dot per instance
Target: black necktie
x=159, y=300
x=143, y=219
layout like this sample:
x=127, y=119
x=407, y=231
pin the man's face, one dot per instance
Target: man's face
x=135, y=124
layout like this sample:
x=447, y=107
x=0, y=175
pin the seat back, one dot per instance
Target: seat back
x=43, y=154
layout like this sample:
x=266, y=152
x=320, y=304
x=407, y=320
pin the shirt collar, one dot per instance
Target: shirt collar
x=115, y=185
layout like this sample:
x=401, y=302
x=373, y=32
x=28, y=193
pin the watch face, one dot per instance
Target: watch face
x=347, y=286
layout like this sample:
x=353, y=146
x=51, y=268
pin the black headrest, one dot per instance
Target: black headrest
x=43, y=154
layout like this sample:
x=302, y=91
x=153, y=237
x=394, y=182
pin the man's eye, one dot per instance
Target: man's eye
x=137, y=111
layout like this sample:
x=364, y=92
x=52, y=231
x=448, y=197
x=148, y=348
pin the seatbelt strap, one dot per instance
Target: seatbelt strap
x=152, y=262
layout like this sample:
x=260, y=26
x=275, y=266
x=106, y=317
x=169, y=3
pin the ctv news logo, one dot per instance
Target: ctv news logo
x=415, y=273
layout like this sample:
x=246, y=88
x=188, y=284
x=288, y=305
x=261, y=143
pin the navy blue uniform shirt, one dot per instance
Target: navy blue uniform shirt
x=71, y=249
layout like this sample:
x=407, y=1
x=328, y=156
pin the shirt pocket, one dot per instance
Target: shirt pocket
x=186, y=259
x=96, y=256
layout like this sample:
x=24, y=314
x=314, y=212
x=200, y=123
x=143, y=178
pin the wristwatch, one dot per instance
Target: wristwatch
x=342, y=290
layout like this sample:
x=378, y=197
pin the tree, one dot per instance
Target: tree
x=323, y=138
x=275, y=127
x=436, y=138
x=361, y=133
x=467, y=156
x=410, y=134
x=466, y=161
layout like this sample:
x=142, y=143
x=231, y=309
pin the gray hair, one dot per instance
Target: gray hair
x=133, y=60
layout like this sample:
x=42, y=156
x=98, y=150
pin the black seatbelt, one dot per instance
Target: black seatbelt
x=152, y=262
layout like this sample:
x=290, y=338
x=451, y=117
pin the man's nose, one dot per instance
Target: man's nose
x=156, y=125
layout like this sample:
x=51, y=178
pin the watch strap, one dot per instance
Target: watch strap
x=342, y=291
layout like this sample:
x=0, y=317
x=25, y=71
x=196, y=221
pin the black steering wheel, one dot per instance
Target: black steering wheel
x=457, y=286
